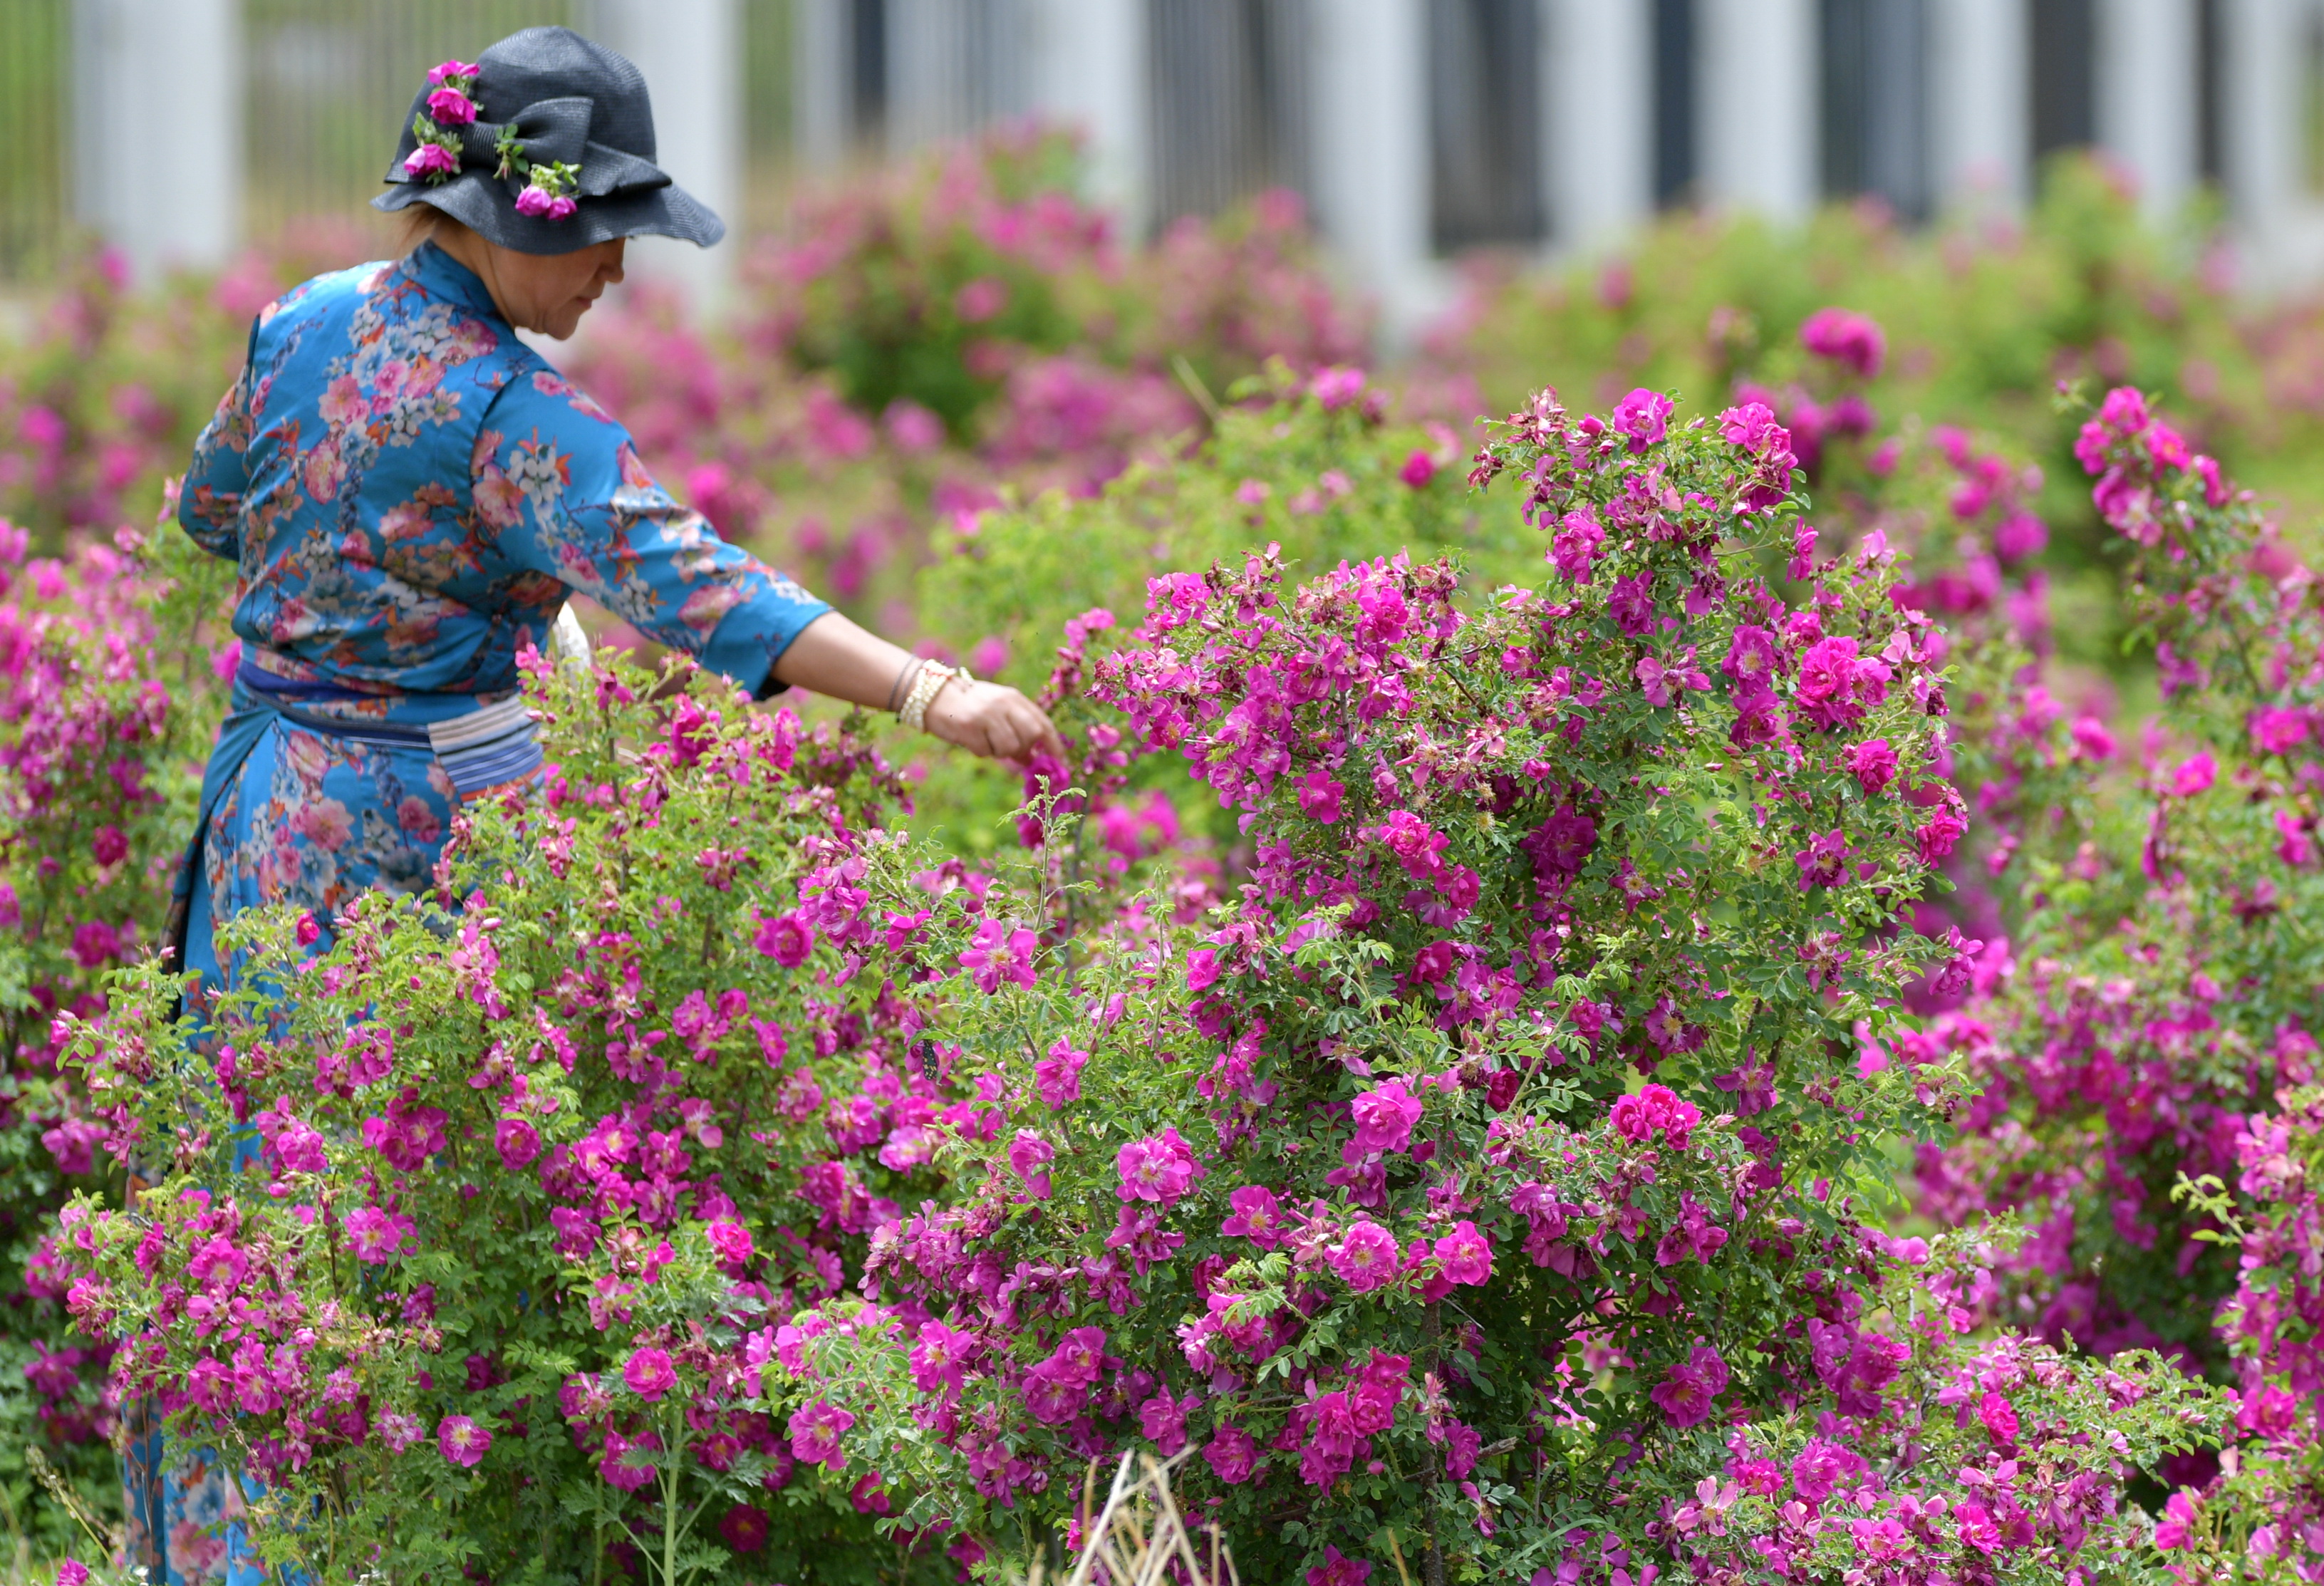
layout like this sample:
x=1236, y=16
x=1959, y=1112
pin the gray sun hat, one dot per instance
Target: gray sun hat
x=555, y=101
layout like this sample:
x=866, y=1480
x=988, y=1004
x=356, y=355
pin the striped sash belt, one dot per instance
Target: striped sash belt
x=488, y=747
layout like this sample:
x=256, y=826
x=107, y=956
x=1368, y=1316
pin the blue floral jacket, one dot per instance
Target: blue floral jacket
x=411, y=492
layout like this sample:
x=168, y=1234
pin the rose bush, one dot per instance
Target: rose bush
x=1474, y=1132
x=521, y=1148
x=100, y=736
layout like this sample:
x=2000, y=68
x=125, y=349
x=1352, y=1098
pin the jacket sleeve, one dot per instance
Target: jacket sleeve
x=210, y=502
x=559, y=488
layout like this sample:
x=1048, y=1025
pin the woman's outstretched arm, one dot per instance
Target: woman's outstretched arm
x=832, y=656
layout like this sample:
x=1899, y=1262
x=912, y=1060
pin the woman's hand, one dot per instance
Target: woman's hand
x=992, y=720
x=832, y=656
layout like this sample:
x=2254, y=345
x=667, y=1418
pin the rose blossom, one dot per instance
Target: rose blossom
x=1873, y=763
x=815, y=1428
x=1366, y=1258
x=1686, y=1395
x=649, y=1374
x=1644, y=416
x=450, y=107
x=461, y=1441
x=1818, y=1469
x=1383, y=1118
x=1575, y=544
x=518, y=1142
x=1465, y=1254
x=1845, y=338
x=1636, y=1117
x=1232, y=1453
x=430, y=159
x=376, y=1236
x=1159, y=1167
x=998, y=953
x=785, y=938
x=1256, y=1217
x=939, y=1357
x=731, y=1240
x=2000, y=1418
x=1029, y=1153
x=1058, y=1076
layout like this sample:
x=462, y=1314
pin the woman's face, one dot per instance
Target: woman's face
x=544, y=292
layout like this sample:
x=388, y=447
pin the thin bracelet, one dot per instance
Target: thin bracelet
x=895, y=689
x=933, y=677
x=925, y=688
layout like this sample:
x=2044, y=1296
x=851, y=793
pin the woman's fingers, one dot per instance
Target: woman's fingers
x=993, y=721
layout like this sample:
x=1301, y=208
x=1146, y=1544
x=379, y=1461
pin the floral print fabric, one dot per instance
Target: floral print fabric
x=410, y=494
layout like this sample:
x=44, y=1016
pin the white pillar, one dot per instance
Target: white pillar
x=157, y=149
x=822, y=57
x=1758, y=78
x=1370, y=88
x=1086, y=70
x=1978, y=134
x=1597, y=118
x=691, y=52
x=2147, y=98
x=2279, y=221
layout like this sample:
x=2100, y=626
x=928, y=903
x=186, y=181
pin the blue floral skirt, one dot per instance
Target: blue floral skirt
x=313, y=819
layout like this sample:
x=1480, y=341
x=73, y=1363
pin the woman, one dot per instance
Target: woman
x=411, y=494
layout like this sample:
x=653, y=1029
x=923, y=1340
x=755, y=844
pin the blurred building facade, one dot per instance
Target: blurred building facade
x=1419, y=128
x=1415, y=129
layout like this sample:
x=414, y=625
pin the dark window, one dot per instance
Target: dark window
x=1674, y=159
x=2210, y=109
x=1874, y=102
x=867, y=74
x=2063, y=76
x=1230, y=103
x=1484, y=82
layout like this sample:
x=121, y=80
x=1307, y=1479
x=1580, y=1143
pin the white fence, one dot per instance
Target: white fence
x=1414, y=128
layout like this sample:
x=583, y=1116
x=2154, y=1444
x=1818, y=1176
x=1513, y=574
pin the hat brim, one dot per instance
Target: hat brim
x=481, y=203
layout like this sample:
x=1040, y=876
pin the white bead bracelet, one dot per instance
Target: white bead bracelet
x=933, y=677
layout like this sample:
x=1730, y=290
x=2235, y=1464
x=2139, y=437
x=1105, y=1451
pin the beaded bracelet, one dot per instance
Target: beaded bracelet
x=930, y=683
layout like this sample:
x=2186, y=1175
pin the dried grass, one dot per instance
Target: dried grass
x=1139, y=1538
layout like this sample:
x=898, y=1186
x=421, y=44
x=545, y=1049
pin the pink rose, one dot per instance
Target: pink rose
x=428, y=160
x=2273, y=731
x=939, y=1357
x=816, y=1429
x=1232, y=1453
x=1029, y=1153
x=1874, y=762
x=2000, y=1418
x=1365, y=1258
x=1256, y=1217
x=649, y=1374
x=1159, y=1167
x=1058, y=1076
x=731, y=1240
x=1849, y=339
x=1644, y=416
x=450, y=107
x=786, y=938
x=518, y=1140
x=461, y=1441
x=1465, y=1254
x=1385, y=1116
